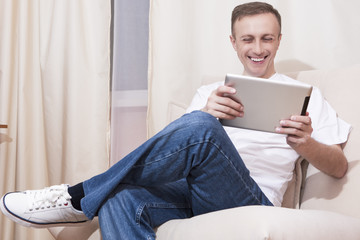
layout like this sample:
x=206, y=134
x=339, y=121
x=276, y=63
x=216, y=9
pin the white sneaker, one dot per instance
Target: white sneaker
x=49, y=207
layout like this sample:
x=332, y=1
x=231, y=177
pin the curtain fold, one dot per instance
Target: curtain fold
x=54, y=86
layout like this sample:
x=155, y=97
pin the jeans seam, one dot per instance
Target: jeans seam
x=142, y=205
x=236, y=170
x=139, y=211
x=166, y=205
x=170, y=154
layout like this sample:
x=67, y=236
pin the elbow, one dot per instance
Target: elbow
x=342, y=169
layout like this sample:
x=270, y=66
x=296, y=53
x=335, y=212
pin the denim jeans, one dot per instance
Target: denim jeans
x=189, y=168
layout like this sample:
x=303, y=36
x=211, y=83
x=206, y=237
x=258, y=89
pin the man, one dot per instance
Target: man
x=193, y=166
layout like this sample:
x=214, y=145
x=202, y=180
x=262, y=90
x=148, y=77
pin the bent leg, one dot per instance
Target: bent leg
x=194, y=147
x=132, y=212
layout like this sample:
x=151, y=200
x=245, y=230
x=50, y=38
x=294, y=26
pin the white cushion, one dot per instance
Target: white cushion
x=261, y=222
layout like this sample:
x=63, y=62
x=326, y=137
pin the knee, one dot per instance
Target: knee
x=202, y=119
x=204, y=122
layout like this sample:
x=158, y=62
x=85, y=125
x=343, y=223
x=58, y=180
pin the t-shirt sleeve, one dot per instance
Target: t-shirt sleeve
x=328, y=128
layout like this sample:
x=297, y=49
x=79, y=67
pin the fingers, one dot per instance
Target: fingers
x=295, y=124
x=221, y=105
x=298, y=129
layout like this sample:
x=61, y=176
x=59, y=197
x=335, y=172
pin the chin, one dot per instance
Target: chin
x=256, y=74
x=259, y=73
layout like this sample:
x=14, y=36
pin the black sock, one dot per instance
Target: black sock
x=77, y=193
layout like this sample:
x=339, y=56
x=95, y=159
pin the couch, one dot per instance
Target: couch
x=315, y=205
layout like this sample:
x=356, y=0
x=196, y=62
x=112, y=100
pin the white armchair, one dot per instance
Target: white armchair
x=328, y=208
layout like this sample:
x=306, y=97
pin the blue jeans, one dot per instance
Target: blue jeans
x=189, y=168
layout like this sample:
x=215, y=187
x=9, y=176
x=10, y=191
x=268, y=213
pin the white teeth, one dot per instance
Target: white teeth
x=257, y=59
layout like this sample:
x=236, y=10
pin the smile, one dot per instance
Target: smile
x=257, y=59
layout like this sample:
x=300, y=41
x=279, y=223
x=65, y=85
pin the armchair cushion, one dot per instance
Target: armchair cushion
x=262, y=222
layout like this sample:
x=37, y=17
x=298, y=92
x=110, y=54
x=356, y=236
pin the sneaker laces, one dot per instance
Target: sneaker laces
x=49, y=197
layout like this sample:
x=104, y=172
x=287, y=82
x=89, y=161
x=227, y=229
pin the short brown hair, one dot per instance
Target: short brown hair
x=250, y=9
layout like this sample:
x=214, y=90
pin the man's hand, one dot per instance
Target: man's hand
x=220, y=105
x=327, y=158
x=298, y=129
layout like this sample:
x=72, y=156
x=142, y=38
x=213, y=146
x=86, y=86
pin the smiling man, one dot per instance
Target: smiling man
x=256, y=40
x=194, y=166
x=255, y=36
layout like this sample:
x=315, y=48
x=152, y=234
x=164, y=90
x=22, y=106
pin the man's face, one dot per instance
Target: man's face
x=256, y=40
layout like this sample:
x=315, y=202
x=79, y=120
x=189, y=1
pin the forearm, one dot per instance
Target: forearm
x=329, y=159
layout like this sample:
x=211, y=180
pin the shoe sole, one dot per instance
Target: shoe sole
x=27, y=223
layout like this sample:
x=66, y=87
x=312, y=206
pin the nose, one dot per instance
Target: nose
x=257, y=49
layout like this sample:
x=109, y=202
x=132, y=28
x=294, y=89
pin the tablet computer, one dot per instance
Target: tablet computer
x=266, y=101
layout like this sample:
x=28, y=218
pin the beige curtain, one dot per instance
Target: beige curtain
x=54, y=86
x=189, y=41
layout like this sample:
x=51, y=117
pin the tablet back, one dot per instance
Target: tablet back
x=266, y=101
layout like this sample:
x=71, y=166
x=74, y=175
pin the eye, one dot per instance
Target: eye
x=247, y=39
x=268, y=39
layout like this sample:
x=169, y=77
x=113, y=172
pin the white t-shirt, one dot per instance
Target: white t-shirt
x=268, y=157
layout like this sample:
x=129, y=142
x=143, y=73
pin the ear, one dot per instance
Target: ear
x=233, y=42
x=280, y=36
